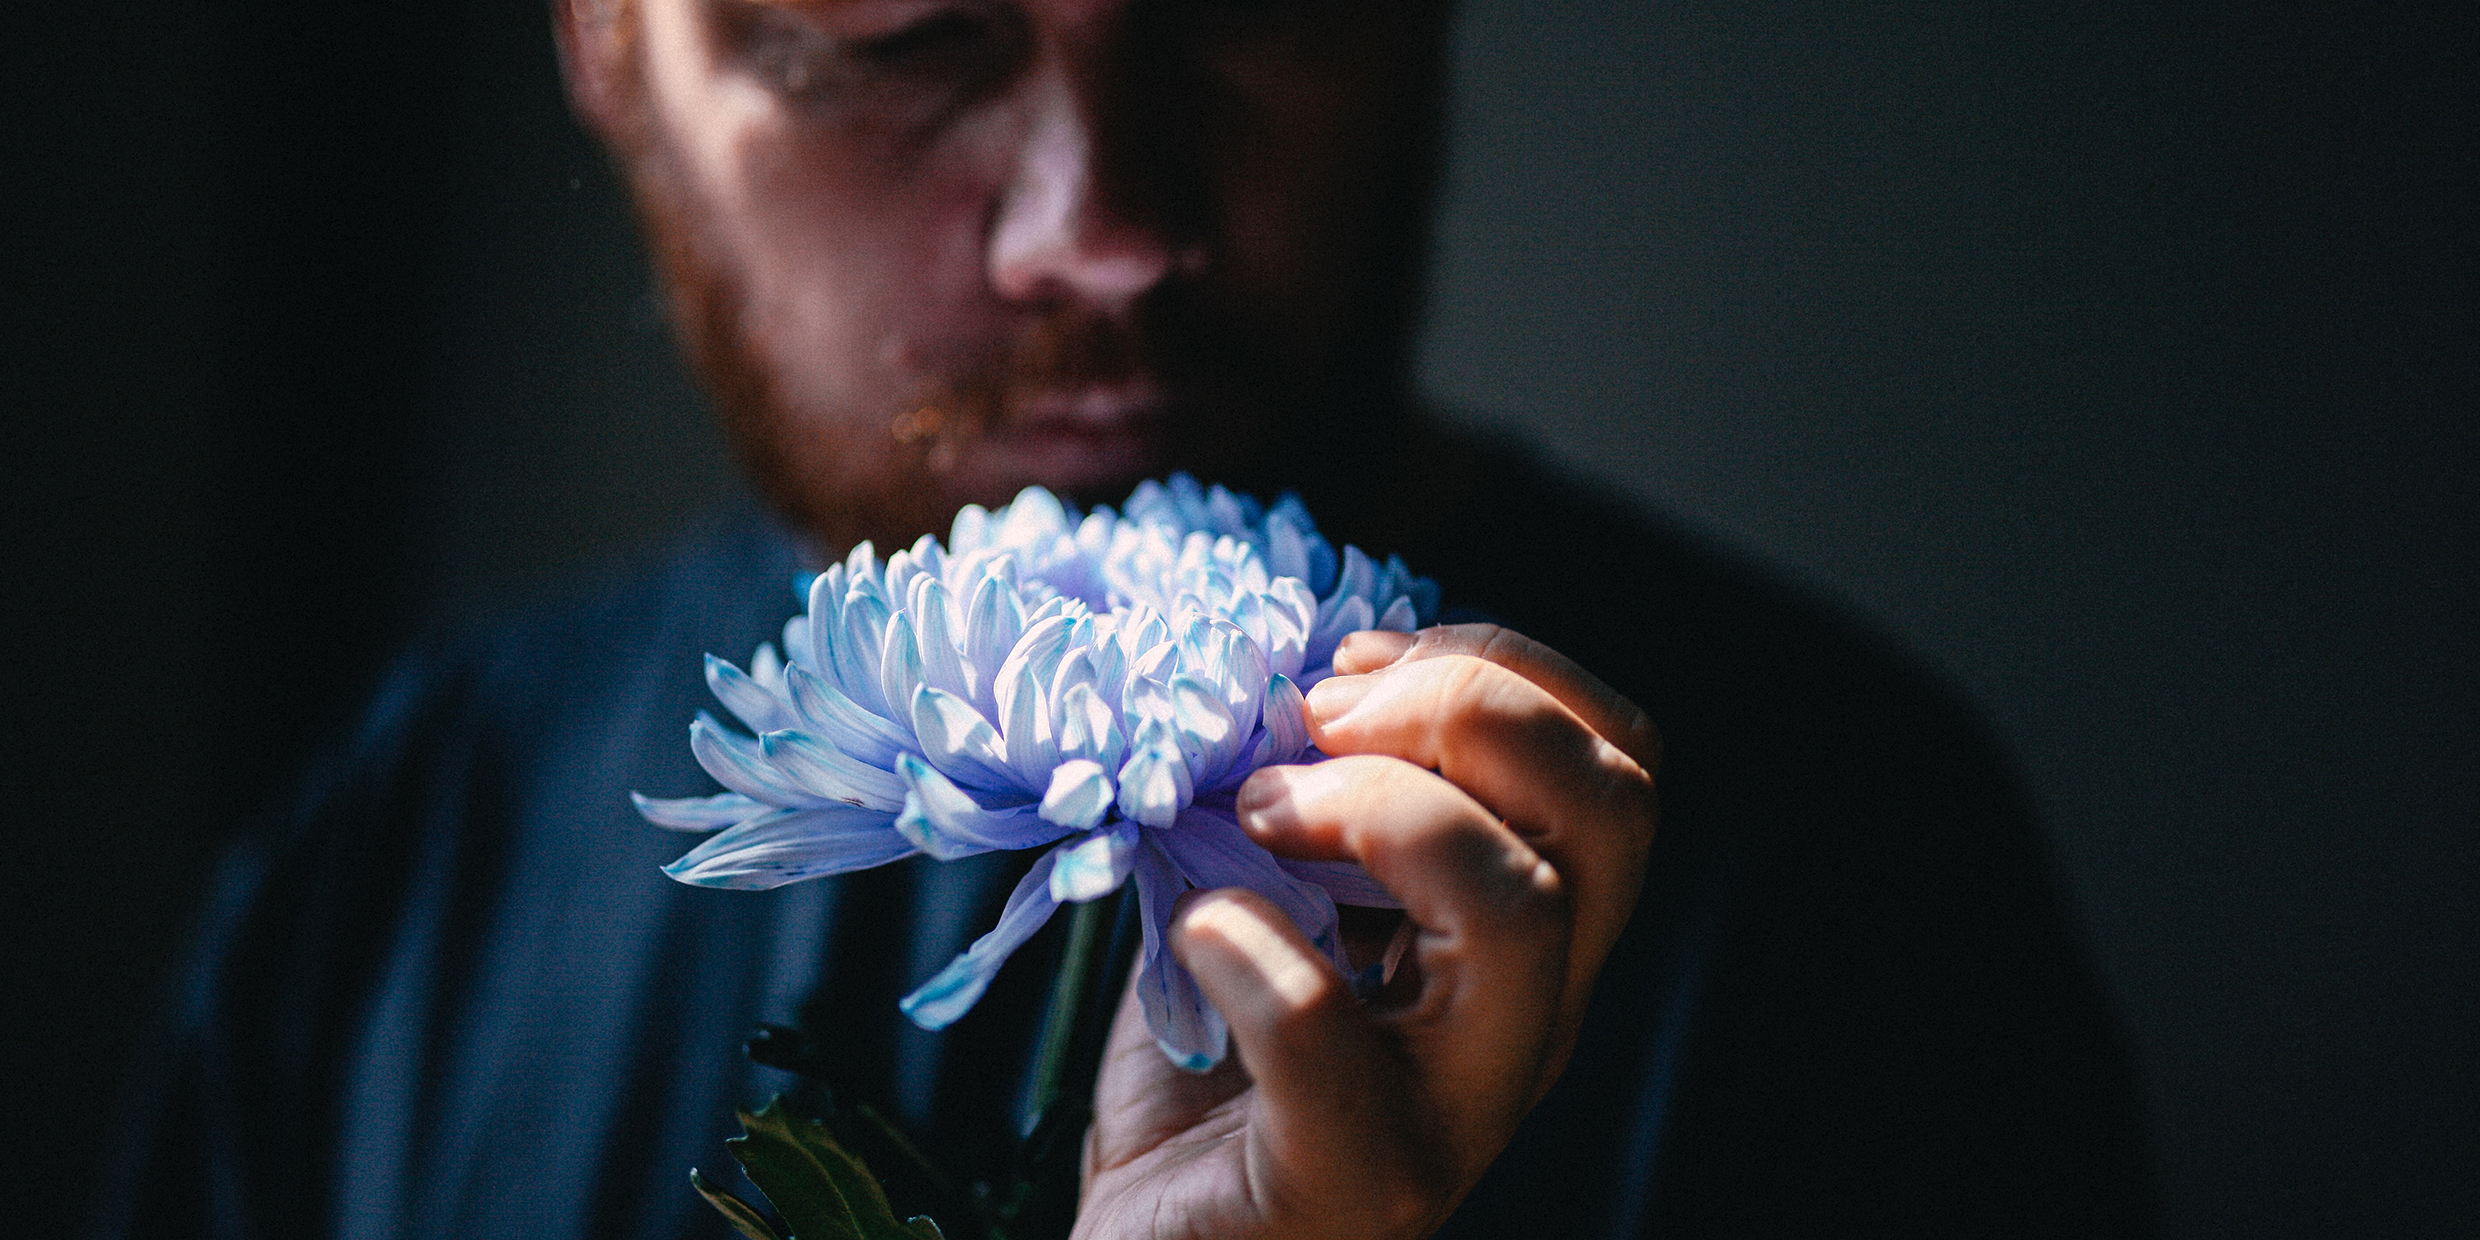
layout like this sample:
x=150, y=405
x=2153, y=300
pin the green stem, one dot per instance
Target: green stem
x=1088, y=925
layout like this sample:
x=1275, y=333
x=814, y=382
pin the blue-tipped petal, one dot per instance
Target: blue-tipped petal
x=819, y=767
x=1285, y=728
x=942, y=664
x=1089, y=729
x=1350, y=616
x=1343, y=881
x=899, y=665
x=766, y=667
x=1287, y=550
x=1400, y=617
x=858, y=649
x=1360, y=576
x=825, y=608
x=960, y=743
x=1188, y=1029
x=749, y=701
x=993, y=622
x=697, y=813
x=1209, y=737
x=1033, y=518
x=825, y=710
x=1031, y=747
x=1032, y=661
x=970, y=531
x=945, y=821
x=739, y=764
x=1154, y=786
x=952, y=993
x=1212, y=852
x=786, y=846
x=1079, y=796
x=1095, y=864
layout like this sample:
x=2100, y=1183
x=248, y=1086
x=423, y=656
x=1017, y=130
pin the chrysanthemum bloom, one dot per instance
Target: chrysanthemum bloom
x=1101, y=686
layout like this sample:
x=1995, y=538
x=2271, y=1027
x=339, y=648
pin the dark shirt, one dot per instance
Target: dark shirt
x=447, y=993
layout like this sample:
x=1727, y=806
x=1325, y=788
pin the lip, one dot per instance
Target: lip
x=1087, y=435
x=1088, y=411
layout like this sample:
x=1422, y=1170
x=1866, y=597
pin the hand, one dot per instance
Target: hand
x=1506, y=797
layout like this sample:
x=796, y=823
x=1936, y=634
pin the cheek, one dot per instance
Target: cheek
x=847, y=260
x=859, y=255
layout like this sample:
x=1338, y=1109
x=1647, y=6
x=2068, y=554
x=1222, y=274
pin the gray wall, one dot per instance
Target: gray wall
x=2117, y=358
x=2121, y=361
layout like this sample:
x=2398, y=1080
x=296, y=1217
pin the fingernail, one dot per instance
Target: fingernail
x=1334, y=697
x=1264, y=805
x=1371, y=649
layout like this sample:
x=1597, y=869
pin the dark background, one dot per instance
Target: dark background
x=2119, y=356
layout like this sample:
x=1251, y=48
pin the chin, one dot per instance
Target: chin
x=1089, y=465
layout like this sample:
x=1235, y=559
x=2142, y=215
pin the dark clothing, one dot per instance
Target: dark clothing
x=448, y=994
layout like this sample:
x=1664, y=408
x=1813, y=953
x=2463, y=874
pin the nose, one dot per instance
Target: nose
x=1065, y=228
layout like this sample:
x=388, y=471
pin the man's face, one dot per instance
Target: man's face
x=928, y=252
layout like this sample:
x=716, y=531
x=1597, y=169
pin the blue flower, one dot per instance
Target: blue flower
x=1098, y=685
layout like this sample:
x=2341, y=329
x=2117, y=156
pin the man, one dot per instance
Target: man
x=926, y=252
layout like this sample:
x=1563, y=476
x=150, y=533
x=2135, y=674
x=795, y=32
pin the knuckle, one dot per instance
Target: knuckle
x=1505, y=881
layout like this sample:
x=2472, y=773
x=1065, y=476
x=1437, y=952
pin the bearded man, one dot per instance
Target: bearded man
x=927, y=252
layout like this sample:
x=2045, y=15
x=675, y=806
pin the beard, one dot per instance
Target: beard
x=1236, y=386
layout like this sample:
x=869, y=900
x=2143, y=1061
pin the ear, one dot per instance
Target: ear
x=589, y=35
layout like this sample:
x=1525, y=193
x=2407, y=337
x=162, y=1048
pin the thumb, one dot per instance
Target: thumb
x=1334, y=1118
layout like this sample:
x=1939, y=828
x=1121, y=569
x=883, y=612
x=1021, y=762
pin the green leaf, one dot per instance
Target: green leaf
x=919, y=1227
x=744, y=1218
x=823, y=1192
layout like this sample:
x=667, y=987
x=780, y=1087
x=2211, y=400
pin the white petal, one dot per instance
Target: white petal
x=819, y=767
x=790, y=845
x=1088, y=728
x=1080, y=795
x=1034, y=659
x=697, y=813
x=1242, y=676
x=1028, y=740
x=1291, y=614
x=1287, y=550
x=959, y=742
x=945, y=821
x=1350, y=616
x=1359, y=579
x=952, y=993
x=861, y=567
x=838, y=719
x=1213, y=852
x=737, y=763
x=970, y=531
x=1285, y=730
x=898, y=577
x=942, y=664
x=899, y=665
x=1400, y=617
x=748, y=700
x=1189, y=1031
x=1209, y=737
x=1154, y=786
x=854, y=665
x=1035, y=516
x=766, y=667
x=825, y=623
x=992, y=625
x=1095, y=864
x=1343, y=882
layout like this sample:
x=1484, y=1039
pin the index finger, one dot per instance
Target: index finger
x=1604, y=709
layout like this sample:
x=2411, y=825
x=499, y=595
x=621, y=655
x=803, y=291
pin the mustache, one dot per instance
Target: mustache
x=1061, y=350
